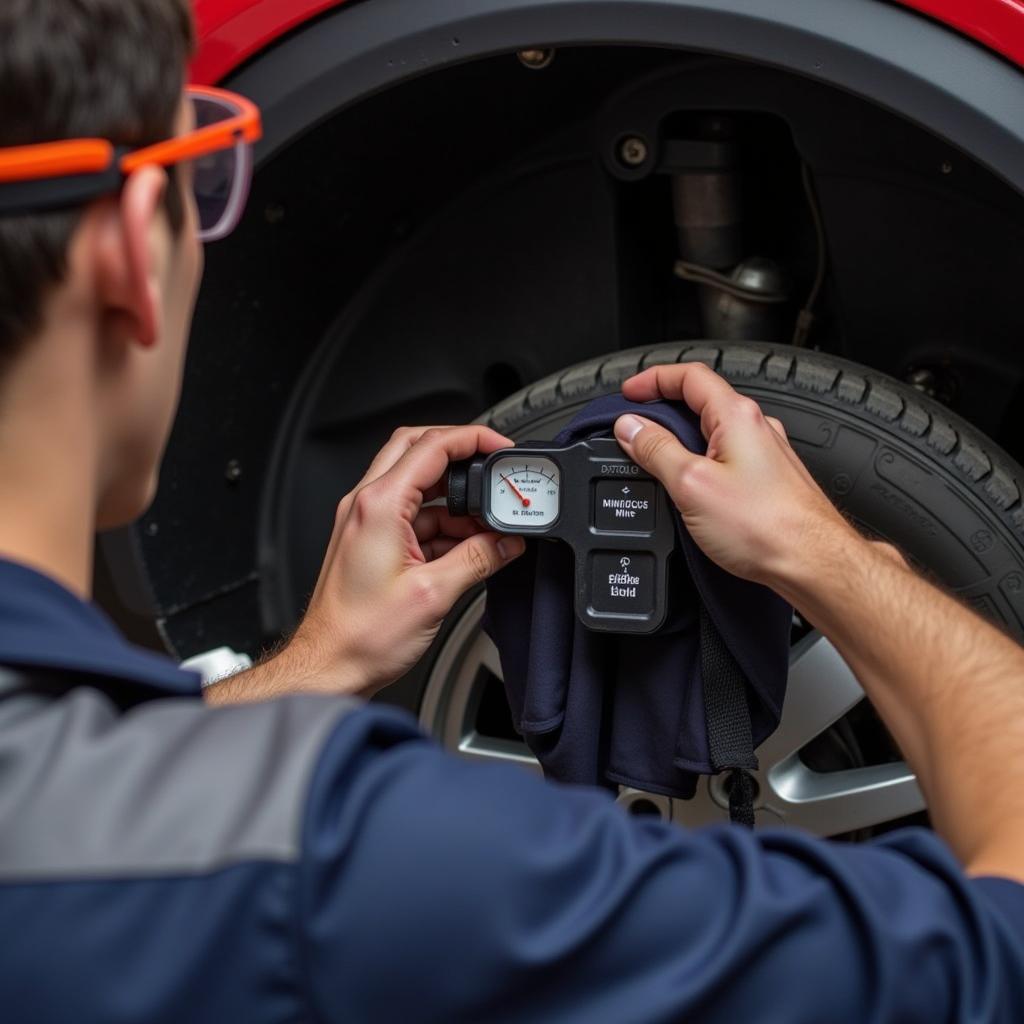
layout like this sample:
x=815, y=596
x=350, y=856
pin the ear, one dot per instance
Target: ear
x=133, y=251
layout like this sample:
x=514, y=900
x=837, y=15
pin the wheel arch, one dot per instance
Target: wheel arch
x=889, y=55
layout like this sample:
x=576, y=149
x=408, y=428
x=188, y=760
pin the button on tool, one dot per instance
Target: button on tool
x=623, y=582
x=624, y=506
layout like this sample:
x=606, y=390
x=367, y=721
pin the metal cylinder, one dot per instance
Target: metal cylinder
x=706, y=194
x=706, y=205
x=729, y=317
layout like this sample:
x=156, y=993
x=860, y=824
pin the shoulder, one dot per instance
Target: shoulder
x=149, y=857
x=168, y=786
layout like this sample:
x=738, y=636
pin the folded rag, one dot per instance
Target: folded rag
x=610, y=709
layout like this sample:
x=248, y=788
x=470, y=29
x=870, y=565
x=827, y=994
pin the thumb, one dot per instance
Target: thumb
x=469, y=563
x=655, y=449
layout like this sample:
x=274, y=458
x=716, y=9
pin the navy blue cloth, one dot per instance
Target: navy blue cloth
x=433, y=889
x=606, y=709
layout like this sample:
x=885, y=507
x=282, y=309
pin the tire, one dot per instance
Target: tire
x=900, y=465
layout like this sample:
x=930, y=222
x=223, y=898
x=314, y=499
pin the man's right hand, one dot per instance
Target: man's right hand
x=946, y=683
x=749, y=503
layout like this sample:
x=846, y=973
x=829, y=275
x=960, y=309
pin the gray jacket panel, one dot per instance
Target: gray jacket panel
x=171, y=786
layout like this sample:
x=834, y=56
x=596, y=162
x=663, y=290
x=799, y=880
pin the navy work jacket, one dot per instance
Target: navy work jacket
x=319, y=860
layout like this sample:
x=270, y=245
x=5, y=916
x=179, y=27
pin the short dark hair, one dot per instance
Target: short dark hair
x=110, y=69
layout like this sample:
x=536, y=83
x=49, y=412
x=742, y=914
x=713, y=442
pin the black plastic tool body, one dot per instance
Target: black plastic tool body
x=617, y=519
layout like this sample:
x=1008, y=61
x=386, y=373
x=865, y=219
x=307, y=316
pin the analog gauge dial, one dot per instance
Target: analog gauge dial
x=524, y=492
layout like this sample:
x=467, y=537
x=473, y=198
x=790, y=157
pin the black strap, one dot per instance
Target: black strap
x=741, y=797
x=42, y=194
x=730, y=743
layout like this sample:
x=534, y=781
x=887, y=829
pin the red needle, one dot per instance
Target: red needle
x=515, y=491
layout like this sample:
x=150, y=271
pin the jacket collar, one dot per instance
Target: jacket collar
x=45, y=626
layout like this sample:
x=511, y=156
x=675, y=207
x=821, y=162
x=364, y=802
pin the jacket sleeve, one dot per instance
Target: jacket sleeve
x=433, y=888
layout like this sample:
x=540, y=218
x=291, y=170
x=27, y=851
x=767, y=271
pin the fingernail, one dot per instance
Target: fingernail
x=627, y=427
x=511, y=547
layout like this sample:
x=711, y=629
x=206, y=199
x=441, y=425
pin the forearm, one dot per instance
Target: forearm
x=293, y=669
x=949, y=686
x=256, y=684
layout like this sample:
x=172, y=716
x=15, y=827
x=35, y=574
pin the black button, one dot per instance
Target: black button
x=623, y=581
x=624, y=506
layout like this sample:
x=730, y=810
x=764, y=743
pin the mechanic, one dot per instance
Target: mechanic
x=311, y=856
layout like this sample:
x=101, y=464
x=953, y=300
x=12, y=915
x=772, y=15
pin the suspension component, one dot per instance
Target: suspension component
x=740, y=299
x=706, y=194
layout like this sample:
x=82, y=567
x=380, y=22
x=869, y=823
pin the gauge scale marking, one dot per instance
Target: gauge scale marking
x=525, y=494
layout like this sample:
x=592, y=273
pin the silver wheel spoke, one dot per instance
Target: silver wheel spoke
x=820, y=690
x=487, y=748
x=448, y=710
x=489, y=657
x=832, y=802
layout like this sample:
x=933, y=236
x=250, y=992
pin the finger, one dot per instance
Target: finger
x=468, y=564
x=401, y=440
x=778, y=426
x=434, y=521
x=655, y=449
x=668, y=381
x=397, y=445
x=424, y=464
x=713, y=399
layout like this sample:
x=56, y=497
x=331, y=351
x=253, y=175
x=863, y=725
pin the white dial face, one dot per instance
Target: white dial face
x=524, y=492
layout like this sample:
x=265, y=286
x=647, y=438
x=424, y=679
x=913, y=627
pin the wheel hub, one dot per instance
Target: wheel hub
x=821, y=690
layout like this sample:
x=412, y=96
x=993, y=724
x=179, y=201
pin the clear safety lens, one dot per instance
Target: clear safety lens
x=220, y=179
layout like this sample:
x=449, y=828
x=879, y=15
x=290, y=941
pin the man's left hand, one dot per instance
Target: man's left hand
x=394, y=568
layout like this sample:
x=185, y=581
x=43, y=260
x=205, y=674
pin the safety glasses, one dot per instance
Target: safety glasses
x=53, y=175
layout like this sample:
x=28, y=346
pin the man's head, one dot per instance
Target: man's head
x=106, y=288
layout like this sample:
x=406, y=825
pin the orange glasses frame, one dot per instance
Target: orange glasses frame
x=93, y=156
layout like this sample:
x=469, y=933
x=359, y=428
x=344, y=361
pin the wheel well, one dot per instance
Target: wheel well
x=891, y=56
x=463, y=224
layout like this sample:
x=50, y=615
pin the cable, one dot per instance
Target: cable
x=705, y=275
x=805, y=318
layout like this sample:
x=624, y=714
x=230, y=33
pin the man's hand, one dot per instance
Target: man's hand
x=946, y=683
x=392, y=572
x=749, y=503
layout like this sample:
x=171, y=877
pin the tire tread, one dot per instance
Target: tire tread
x=938, y=433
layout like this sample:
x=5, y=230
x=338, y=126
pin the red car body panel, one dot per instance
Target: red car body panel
x=999, y=24
x=232, y=31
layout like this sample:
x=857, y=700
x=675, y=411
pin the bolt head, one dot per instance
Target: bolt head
x=633, y=151
x=923, y=379
x=536, y=58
